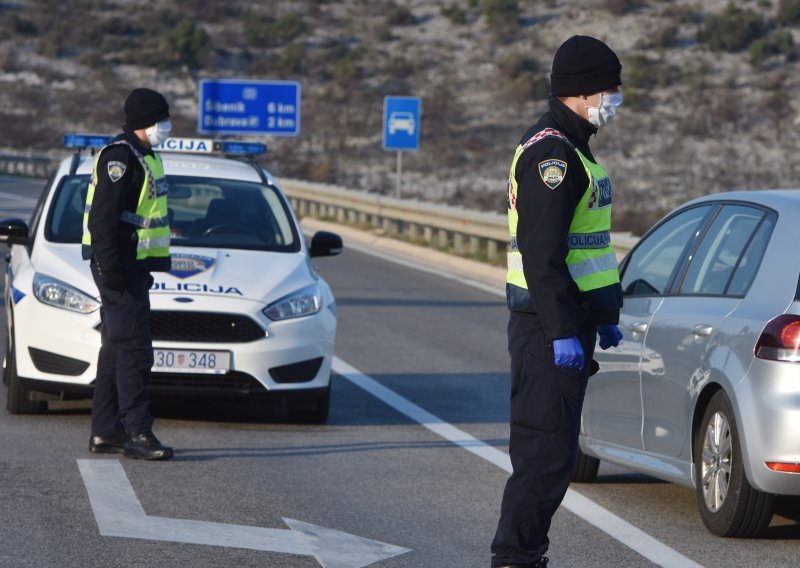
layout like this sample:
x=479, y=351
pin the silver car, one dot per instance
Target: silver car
x=704, y=390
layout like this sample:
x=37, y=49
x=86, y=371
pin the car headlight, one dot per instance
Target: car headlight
x=302, y=303
x=54, y=292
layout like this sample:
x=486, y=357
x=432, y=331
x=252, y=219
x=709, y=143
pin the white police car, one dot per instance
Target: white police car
x=243, y=312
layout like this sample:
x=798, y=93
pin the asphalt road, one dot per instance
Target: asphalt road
x=370, y=471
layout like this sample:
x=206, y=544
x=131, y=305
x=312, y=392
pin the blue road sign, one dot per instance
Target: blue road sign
x=401, y=123
x=229, y=106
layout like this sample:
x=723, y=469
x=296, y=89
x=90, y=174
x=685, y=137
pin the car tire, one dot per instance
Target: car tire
x=729, y=505
x=18, y=399
x=310, y=411
x=586, y=468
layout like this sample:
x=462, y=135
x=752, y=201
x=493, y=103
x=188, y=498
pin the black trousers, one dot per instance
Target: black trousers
x=120, y=400
x=546, y=404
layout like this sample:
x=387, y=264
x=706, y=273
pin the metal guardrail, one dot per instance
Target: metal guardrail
x=33, y=166
x=464, y=231
x=483, y=235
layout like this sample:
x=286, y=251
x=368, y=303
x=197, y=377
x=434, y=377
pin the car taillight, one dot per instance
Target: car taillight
x=780, y=340
x=784, y=467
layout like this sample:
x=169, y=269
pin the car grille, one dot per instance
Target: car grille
x=203, y=327
x=232, y=382
x=48, y=362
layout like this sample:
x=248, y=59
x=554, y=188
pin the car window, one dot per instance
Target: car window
x=65, y=218
x=746, y=272
x=653, y=261
x=717, y=256
x=203, y=212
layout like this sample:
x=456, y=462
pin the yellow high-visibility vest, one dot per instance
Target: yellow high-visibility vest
x=150, y=217
x=591, y=260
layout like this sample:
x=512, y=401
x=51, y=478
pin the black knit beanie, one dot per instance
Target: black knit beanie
x=584, y=65
x=144, y=107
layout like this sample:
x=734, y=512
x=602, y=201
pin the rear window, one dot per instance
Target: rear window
x=203, y=212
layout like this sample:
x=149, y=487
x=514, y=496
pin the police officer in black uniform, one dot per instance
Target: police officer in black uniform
x=563, y=291
x=124, y=184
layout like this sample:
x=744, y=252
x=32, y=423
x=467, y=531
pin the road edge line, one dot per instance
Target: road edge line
x=577, y=503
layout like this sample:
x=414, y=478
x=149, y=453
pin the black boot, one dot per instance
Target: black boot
x=113, y=444
x=541, y=563
x=145, y=446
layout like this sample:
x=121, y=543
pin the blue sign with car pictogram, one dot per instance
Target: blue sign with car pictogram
x=401, y=123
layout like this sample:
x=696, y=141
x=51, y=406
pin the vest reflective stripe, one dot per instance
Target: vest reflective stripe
x=154, y=243
x=144, y=222
x=592, y=266
x=151, y=216
x=591, y=260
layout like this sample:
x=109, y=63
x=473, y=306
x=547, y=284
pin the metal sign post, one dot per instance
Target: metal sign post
x=401, y=126
x=399, y=174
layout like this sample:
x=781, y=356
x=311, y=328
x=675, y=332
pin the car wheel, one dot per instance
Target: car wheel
x=18, y=399
x=586, y=468
x=309, y=411
x=729, y=505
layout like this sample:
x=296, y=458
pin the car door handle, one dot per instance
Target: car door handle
x=639, y=326
x=702, y=330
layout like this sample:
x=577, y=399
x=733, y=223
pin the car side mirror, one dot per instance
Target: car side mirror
x=13, y=232
x=324, y=243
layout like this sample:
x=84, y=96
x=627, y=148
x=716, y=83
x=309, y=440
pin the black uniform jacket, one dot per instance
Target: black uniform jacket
x=545, y=216
x=113, y=238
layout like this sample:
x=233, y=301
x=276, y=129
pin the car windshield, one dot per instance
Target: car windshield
x=203, y=212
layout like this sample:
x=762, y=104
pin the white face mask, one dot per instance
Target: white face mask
x=159, y=132
x=606, y=110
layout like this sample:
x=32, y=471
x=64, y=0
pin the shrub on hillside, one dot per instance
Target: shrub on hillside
x=265, y=31
x=399, y=16
x=501, y=15
x=733, y=29
x=455, y=13
x=521, y=74
x=789, y=12
x=620, y=7
x=292, y=57
x=777, y=43
x=190, y=44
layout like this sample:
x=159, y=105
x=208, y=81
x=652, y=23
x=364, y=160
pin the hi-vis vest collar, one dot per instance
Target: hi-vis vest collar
x=590, y=259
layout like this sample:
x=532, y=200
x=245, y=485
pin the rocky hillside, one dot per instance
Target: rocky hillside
x=707, y=85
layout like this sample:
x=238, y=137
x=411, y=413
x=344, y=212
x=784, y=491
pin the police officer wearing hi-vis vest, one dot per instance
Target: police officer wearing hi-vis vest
x=125, y=237
x=562, y=290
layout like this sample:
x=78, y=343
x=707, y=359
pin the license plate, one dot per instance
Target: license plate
x=191, y=361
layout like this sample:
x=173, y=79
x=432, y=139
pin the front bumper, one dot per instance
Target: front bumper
x=63, y=334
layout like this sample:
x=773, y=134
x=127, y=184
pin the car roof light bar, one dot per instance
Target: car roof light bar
x=81, y=141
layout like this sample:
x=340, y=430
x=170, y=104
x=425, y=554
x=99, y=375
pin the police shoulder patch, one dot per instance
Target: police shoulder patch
x=552, y=172
x=116, y=170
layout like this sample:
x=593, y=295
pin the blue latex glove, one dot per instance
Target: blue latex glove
x=610, y=335
x=568, y=352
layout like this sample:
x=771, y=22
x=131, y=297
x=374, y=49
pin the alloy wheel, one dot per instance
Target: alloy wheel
x=717, y=459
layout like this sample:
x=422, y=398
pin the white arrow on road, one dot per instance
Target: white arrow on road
x=119, y=513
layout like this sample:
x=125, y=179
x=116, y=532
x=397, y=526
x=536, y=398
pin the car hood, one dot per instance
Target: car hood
x=233, y=274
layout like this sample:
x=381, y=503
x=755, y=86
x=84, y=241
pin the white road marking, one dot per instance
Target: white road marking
x=629, y=535
x=118, y=513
